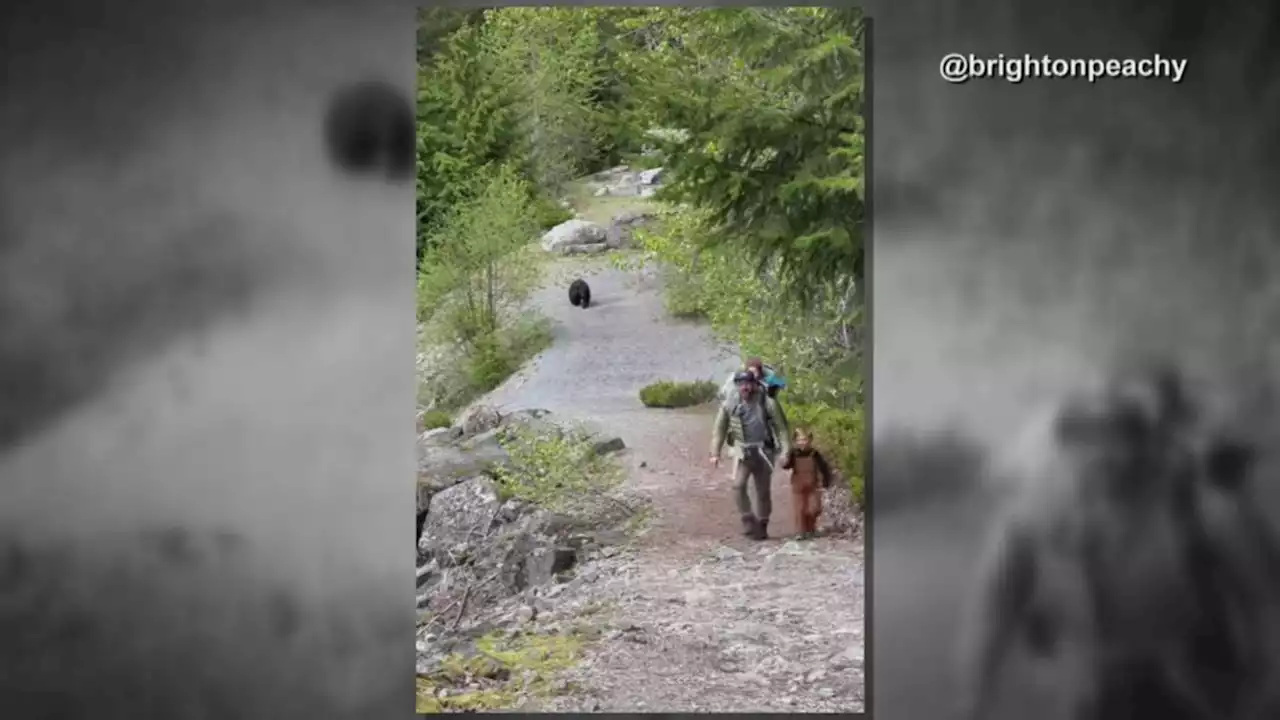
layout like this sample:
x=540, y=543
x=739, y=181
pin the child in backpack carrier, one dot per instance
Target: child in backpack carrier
x=810, y=473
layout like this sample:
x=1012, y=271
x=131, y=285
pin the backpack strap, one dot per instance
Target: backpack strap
x=768, y=420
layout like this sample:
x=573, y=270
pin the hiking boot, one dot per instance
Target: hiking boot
x=749, y=528
x=762, y=530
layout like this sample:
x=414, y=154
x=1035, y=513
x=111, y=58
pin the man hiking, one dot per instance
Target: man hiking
x=758, y=429
x=772, y=384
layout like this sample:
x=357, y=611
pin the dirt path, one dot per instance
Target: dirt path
x=703, y=619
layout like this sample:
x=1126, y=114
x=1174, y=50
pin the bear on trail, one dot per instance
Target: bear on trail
x=580, y=293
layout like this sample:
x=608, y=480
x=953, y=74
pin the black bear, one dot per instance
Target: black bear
x=580, y=293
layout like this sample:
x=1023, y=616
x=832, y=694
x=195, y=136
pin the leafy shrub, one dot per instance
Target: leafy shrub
x=672, y=394
x=467, y=280
x=473, y=369
x=555, y=472
x=436, y=419
x=683, y=297
x=548, y=213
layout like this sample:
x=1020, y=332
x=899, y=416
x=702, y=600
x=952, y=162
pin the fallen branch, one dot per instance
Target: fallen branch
x=462, y=608
x=466, y=594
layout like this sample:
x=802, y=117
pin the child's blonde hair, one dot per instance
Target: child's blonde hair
x=802, y=432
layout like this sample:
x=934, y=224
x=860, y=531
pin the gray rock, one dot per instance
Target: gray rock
x=443, y=462
x=544, y=563
x=436, y=437
x=571, y=233
x=621, y=233
x=651, y=177
x=609, y=536
x=604, y=446
x=530, y=558
x=487, y=440
x=536, y=413
x=633, y=217
x=441, y=468
x=459, y=516
x=478, y=419
x=512, y=510
x=533, y=422
x=425, y=571
x=587, y=249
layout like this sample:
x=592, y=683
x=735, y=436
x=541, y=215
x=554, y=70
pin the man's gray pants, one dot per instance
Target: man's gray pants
x=754, y=469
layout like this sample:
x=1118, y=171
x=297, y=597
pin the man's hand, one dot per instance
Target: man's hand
x=715, y=461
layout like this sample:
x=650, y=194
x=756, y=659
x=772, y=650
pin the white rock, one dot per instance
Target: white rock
x=571, y=233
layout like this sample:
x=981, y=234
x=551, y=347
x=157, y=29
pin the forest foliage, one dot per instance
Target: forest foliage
x=756, y=116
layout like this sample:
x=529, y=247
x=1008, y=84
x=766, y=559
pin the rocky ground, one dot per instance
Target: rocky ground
x=678, y=613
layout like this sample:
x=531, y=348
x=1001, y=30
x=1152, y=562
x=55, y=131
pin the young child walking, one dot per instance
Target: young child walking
x=810, y=473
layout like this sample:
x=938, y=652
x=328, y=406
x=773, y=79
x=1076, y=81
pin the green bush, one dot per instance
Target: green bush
x=555, y=472
x=481, y=365
x=496, y=356
x=548, y=213
x=436, y=419
x=682, y=297
x=672, y=394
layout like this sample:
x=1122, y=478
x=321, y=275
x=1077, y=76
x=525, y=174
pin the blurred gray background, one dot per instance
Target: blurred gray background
x=1025, y=236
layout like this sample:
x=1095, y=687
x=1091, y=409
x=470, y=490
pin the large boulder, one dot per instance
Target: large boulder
x=478, y=419
x=571, y=233
x=459, y=515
